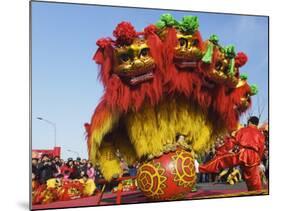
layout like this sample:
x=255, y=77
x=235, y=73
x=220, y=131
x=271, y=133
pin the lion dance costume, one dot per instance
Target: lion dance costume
x=159, y=83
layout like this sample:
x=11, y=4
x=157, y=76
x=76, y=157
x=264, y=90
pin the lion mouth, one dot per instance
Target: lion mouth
x=183, y=63
x=141, y=78
x=138, y=74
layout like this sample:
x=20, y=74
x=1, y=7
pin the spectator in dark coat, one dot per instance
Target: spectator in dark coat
x=46, y=169
x=35, y=167
x=76, y=173
x=83, y=167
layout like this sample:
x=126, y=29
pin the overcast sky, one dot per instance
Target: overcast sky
x=65, y=89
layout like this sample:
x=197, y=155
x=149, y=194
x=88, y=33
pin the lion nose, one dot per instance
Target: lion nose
x=137, y=64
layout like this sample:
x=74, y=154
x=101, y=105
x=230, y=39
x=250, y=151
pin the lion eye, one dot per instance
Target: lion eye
x=144, y=52
x=125, y=57
x=218, y=65
x=195, y=42
x=183, y=42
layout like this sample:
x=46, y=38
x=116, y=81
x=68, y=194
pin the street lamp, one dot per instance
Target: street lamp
x=53, y=125
x=73, y=152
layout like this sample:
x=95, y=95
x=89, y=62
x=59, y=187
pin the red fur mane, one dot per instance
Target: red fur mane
x=188, y=83
x=225, y=104
x=121, y=96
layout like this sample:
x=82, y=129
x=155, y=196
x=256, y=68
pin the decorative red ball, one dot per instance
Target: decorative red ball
x=240, y=59
x=168, y=177
x=124, y=33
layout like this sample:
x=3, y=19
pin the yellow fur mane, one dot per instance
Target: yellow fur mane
x=108, y=161
x=98, y=134
x=151, y=128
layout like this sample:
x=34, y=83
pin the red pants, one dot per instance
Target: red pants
x=250, y=169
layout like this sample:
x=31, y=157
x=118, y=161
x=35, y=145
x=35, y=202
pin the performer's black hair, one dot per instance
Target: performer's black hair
x=254, y=120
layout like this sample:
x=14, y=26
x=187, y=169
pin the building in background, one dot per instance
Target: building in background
x=37, y=153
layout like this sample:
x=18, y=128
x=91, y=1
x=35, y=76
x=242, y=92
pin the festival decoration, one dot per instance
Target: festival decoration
x=89, y=187
x=70, y=190
x=44, y=195
x=168, y=177
x=158, y=83
x=57, y=190
x=54, y=183
x=128, y=185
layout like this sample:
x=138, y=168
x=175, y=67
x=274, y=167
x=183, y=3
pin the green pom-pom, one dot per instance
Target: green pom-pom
x=189, y=24
x=160, y=24
x=230, y=51
x=254, y=89
x=214, y=39
x=168, y=19
x=244, y=76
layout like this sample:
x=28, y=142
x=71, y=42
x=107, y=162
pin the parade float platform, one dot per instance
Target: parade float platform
x=204, y=190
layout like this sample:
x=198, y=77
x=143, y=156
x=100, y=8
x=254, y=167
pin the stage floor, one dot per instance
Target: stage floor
x=204, y=190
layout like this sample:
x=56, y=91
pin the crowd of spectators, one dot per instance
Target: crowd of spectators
x=48, y=167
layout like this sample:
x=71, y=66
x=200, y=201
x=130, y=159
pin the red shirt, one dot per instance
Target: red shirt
x=251, y=137
x=65, y=168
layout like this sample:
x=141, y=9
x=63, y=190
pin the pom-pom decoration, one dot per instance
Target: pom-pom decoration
x=124, y=33
x=240, y=59
x=189, y=24
x=243, y=76
x=254, y=89
x=166, y=20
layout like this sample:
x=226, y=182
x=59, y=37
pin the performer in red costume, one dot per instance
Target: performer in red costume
x=251, y=146
x=224, y=146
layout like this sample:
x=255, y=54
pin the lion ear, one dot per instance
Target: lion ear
x=156, y=46
x=98, y=56
x=104, y=58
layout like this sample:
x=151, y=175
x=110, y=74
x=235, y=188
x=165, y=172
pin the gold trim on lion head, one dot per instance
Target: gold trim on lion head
x=245, y=100
x=133, y=62
x=187, y=51
x=221, y=71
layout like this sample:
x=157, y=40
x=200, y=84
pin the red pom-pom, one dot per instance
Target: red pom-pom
x=240, y=59
x=104, y=42
x=124, y=33
x=150, y=29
